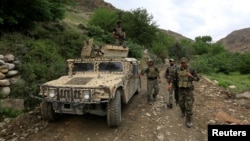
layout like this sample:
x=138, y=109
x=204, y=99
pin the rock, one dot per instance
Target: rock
x=4, y=70
x=9, y=58
x=10, y=66
x=1, y=57
x=245, y=95
x=14, y=80
x=16, y=104
x=232, y=87
x=12, y=73
x=2, y=75
x=244, y=102
x=1, y=62
x=4, y=83
x=5, y=91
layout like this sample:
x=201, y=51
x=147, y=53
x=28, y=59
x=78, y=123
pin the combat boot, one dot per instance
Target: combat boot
x=154, y=97
x=189, y=122
x=150, y=101
x=183, y=113
x=170, y=106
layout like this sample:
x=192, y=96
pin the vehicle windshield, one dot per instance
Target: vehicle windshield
x=80, y=67
x=111, y=66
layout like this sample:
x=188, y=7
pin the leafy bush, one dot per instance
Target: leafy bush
x=8, y=112
x=224, y=62
x=99, y=35
x=244, y=64
x=135, y=50
x=202, y=64
x=38, y=63
x=70, y=44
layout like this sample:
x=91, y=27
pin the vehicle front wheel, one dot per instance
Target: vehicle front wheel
x=114, y=110
x=48, y=112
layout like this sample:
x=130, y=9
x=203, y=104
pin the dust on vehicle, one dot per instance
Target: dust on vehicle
x=98, y=82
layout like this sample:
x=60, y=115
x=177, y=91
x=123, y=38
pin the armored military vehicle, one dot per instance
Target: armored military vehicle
x=98, y=82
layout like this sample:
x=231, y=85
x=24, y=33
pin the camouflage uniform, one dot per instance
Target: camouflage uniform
x=152, y=82
x=119, y=34
x=170, y=76
x=186, y=97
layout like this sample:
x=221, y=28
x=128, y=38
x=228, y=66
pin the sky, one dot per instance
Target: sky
x=192, y=18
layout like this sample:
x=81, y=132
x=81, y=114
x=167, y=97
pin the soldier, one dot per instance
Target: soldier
x=153, y=80
x=186, y=97
x=119, y=34
x=171, y=78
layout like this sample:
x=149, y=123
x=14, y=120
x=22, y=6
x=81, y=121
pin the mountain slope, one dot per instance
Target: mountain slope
x=237, y=41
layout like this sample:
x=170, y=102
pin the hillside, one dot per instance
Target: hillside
x=175, y=35
x=237, y=41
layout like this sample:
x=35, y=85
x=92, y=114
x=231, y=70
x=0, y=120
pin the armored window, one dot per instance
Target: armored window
x=79, y=67
x=111, y=66
x=135, y=69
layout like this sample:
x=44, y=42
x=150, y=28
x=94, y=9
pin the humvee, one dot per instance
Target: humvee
x=98, y=82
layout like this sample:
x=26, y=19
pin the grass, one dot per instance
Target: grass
x=242, y=82
x=8, y=112
x=73, y=19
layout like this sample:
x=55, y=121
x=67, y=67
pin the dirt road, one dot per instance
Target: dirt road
x=140, y=122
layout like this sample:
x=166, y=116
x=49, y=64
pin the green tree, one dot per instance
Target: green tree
x=105, y=18
x=141, y=28
x=244, y=64
x=161, y=44
x=202, y=44
x=177, y=51
x=22, y=14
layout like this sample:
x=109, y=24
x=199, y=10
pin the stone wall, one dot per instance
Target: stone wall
x=9, y=75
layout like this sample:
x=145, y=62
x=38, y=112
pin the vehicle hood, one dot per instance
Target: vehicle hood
x=90, y=80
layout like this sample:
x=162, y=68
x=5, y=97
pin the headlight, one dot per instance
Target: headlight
x=86, y=94
x=52, y=93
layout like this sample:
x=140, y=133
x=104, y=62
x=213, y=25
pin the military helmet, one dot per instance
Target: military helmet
x=150, y=60
x=183, y=59
x=171, y=59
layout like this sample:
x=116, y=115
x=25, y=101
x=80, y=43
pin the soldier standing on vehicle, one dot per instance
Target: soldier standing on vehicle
x=119, y=34
x=186, y=97
x=153, y=80
x=171, y=78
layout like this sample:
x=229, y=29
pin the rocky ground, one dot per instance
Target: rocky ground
x=141, y=122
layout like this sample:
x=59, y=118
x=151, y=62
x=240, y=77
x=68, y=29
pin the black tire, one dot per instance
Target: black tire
x=138, y=91
x=48, y=112
x=114, y=116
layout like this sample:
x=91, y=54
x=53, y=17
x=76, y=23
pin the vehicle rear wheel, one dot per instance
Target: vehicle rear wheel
x=48, y=112
x=114, y=110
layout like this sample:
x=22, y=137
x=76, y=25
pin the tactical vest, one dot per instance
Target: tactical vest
x=183, y=79
x=172, y=70
x=152, y=72
x=118, y=31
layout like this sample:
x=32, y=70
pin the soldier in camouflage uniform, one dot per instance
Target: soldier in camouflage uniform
x=170, y=76
x=119, y=34
x=186, y=97
x=153, y=80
